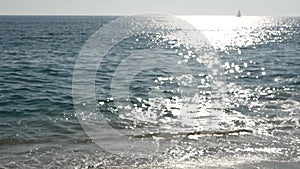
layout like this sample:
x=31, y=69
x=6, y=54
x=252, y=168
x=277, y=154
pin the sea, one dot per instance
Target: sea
x=164, y=120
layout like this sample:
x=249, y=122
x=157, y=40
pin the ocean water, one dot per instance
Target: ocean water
x=256, y=127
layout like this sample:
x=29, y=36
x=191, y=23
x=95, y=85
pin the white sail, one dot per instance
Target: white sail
x=239, y=14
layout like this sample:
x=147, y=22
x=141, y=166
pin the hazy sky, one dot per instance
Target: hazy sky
x=121, y=7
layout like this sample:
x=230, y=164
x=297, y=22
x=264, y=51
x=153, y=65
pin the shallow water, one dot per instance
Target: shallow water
x=260, y=59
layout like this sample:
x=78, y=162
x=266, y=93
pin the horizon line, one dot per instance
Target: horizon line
x=146, y=12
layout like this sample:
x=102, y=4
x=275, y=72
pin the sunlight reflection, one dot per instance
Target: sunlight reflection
x=231, y=30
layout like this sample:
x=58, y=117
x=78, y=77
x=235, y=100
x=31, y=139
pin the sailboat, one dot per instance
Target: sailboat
x=239, y=14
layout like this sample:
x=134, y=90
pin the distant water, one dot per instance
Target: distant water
x=39, y=128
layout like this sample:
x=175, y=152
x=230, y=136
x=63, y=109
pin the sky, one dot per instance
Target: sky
x=128, y=7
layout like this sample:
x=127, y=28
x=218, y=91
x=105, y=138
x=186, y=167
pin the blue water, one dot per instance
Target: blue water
x=39, y=126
